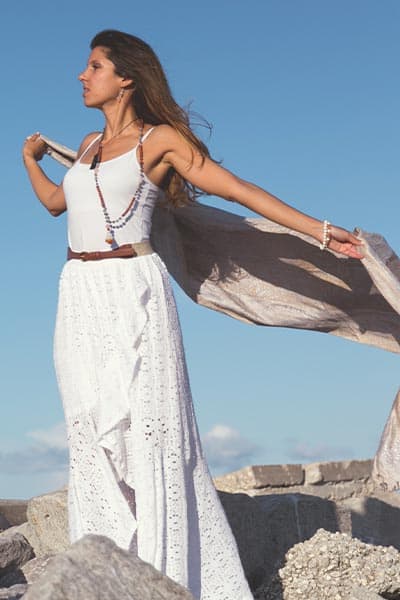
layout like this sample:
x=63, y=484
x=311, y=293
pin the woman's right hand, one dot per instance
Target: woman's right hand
x=34, y=148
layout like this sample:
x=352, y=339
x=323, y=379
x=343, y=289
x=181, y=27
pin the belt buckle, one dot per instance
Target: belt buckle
x=83, y=256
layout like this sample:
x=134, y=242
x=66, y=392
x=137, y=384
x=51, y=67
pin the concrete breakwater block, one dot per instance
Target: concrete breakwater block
x=48, y=523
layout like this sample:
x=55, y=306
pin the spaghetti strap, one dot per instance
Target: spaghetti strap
x=147, y=133
x=143, y=138
x=89, y=146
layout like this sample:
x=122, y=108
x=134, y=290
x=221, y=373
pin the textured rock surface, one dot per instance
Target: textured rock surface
x=48, y=525
x=330, y=566
x=358, y=593
x=94, y=568
x=27, y=573
x=266, y=527
x=24, y=529
x=332, y=472
x=14, y=552
x=250, y=528
x=13, y=593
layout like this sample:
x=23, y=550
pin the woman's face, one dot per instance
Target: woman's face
x=101, y=85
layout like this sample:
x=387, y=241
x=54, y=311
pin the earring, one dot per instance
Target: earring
x=121, y=94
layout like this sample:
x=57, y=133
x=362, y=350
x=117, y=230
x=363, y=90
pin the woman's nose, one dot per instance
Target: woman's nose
x=81, y=76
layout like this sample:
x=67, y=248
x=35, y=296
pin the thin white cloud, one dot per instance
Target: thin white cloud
x=226, y=449
x=54, y=437
x=48, y=454
x=33, y=459
x=305, y=452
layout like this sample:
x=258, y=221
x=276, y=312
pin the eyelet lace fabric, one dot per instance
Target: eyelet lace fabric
x=137, y=470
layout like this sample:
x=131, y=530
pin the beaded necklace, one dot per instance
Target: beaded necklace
x=101, y=143
x=113, y=224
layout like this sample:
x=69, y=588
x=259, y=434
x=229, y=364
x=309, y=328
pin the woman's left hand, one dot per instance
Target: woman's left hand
x=344, y=242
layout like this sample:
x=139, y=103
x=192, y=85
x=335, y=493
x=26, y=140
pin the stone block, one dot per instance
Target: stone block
x=261, y=476
x=374, y=521
x=332, y=472
x=48, y=523
x=249, y=527
x=290, y=519
x=277, y=475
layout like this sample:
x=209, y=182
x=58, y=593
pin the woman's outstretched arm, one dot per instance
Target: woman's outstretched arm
x=49, y=193
x=214, y=179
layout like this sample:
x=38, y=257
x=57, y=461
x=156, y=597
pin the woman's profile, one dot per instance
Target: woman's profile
x=137, y=470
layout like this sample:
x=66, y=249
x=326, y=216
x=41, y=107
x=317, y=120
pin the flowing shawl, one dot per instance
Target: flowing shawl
x=263, y=273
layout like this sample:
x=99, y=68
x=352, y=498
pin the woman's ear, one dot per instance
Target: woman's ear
x=128, y=84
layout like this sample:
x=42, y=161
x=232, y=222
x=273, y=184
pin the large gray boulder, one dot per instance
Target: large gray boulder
x=95, y=568
x=334, y=565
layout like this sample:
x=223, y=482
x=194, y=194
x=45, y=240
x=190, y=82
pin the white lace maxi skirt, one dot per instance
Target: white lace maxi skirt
x=137, y=471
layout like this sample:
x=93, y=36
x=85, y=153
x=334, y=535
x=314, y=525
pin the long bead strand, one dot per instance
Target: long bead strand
x=126, y=215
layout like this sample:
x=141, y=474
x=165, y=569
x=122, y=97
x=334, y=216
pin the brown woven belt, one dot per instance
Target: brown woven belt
x=124, y=251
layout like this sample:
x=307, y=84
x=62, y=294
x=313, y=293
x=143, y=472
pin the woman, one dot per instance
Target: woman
x=137, y=472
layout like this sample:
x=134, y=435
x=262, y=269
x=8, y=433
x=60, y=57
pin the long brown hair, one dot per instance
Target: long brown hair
x=152, y=98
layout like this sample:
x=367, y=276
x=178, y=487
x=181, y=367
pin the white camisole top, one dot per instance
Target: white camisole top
x=118, y=178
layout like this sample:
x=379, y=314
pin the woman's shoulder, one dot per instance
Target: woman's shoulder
x=162, y=131
x=164, y=136
x=87, y=140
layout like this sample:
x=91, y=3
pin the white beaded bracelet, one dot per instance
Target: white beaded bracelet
x=326, y=236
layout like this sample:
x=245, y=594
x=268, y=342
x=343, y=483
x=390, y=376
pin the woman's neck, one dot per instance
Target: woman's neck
x=117, y=117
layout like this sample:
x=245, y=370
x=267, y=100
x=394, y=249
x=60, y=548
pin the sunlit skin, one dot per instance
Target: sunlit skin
x=165, y=149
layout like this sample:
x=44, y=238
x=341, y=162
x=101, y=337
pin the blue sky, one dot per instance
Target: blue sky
x=304, y=99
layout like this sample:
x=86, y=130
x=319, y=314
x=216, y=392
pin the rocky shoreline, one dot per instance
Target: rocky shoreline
x=309, y=532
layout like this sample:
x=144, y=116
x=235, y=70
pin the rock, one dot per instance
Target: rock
x=27, y=573
x=13, y=593
x=358, y=593
x=333, y=472
x=14, y=552
x=23, y=529
x=333, y=565
x=290, y=519
x=261, y=476
x=34, y=568
x=14, y=511
x=265, y=527
x=48, y=523
x=94, y=568
x=249, y=527
x=374, y=521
